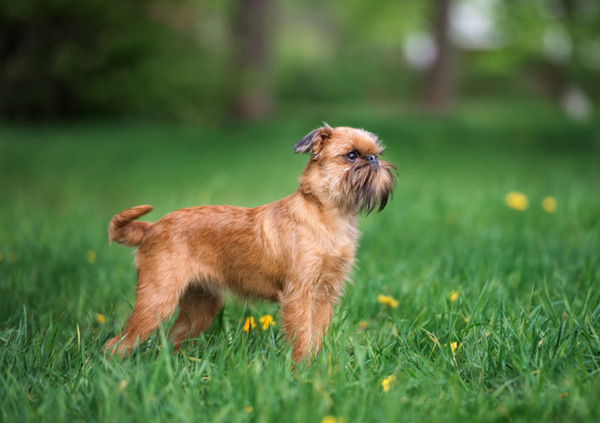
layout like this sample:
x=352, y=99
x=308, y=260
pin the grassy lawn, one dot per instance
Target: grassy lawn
x=498, y=310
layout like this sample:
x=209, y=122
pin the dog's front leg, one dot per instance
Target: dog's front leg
x=305, y=316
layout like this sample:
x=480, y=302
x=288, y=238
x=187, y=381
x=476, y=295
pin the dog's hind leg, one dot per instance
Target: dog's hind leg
x=158, y=293
x=198, y=307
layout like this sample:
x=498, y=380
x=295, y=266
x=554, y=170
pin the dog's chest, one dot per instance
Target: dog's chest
x=340, y=238
x=337, y=250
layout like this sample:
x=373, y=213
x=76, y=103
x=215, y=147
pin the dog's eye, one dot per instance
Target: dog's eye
x=352, y=156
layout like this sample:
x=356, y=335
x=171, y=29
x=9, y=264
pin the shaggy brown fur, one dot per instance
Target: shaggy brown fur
x=297, y=251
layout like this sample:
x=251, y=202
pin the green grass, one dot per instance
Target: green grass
x=526, y=320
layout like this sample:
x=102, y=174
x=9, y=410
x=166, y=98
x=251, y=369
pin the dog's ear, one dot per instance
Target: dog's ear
x=313, y=142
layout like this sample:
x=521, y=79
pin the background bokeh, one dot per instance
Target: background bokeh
x=206, y=61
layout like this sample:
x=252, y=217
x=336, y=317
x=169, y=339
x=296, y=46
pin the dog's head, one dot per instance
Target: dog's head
x=346, y=167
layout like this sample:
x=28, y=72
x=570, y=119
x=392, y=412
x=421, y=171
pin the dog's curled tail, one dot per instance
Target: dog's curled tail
x=124, y=230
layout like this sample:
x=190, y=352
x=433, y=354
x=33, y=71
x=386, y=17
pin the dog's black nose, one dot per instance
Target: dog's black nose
x=372, y=159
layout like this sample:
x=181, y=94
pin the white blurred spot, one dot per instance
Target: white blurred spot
x=472, y=25
x=576, y=103
x=419, y=50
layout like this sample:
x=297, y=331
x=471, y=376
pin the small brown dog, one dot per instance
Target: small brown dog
x=296, y=251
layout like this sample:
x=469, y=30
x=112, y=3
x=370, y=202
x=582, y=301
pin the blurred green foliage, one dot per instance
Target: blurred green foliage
x=157, y=58
x=64, y=58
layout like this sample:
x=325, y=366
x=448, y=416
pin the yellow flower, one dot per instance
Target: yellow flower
x=329, y=419
x=454, y=346
x=363, y=325
x=387, y=300
x=248, y=409
x=516, y=200
x=250, y=323
x=90, y=256
x=100, y=318
x=453, y=296
x=549, y=204
x=387, y=383
x=266, y=321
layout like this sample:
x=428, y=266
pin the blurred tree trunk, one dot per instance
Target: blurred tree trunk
x=252, y=65
x=440, y=78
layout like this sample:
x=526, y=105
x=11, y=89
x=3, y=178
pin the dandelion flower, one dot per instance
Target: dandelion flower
x=329, y=419
x=266, y=321
x=453, y=296
x=248, y=409
x=454, y=346
x=549, y=204
x=387, y=383
x=100, y=318
x=250, y=323
x=516, y=200
x=387, y=300
x=90, y=256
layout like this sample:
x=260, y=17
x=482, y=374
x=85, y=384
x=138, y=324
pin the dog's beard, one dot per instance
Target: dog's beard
x=365, y=187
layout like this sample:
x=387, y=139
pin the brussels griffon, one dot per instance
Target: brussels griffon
x=297, y=251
